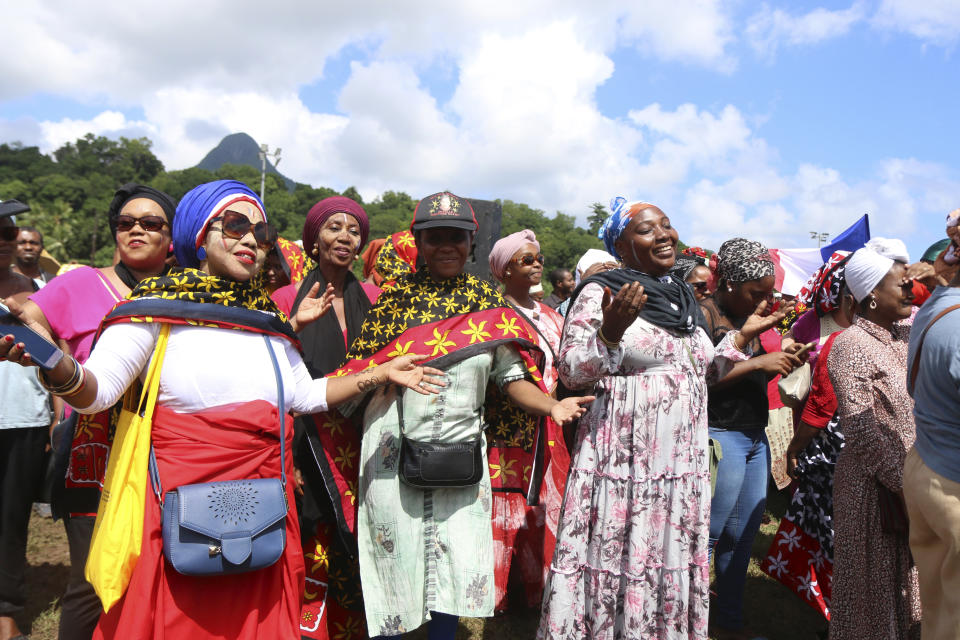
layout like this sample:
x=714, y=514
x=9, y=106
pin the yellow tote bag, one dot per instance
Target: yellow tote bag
x=118, y=532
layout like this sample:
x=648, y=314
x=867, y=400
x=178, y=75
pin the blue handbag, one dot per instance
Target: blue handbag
x=235, y=526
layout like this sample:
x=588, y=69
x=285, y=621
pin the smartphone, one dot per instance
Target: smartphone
x=43, y=352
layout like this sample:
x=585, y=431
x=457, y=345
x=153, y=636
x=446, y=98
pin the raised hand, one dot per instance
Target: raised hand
x=570, y=409
x=759, y=321
x=405, y=371
x=620, y=311
x=312, y=306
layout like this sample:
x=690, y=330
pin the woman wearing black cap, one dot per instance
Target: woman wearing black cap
x=426, y=554
x=71, y=307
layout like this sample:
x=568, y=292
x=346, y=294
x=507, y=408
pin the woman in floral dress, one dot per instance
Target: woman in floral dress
x=631, y=553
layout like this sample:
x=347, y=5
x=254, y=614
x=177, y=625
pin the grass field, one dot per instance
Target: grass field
x=772, y=611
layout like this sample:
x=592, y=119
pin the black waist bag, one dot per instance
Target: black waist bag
x=439, y=465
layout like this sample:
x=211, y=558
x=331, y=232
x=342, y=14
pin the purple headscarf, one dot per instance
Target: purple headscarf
x=324, y=209
x=503, y=250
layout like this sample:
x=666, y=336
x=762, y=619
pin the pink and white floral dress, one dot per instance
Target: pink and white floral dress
x=631, y=553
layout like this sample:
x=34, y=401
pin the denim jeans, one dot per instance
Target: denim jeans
x=735, y=513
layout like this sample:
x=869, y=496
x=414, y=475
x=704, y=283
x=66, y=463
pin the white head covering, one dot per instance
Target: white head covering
x=590, y=258
x=892, y=248
x=868, y=265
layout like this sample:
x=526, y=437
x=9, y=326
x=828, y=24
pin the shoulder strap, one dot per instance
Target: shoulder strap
x=155, y=472
x=915, y=369
x=281, y=410
x=106, y=284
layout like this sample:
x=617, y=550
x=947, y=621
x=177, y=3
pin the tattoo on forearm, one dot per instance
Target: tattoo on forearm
x=365, y=384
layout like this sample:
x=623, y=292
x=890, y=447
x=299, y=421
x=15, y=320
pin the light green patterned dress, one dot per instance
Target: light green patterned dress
x=423, y=551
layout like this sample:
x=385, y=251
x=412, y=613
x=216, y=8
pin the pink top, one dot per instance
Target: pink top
x=74, y=304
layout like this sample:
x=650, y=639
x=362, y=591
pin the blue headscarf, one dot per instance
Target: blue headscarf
x=622, y=212
x=197, y=208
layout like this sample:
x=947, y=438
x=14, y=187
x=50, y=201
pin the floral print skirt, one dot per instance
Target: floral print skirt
x=631, y=553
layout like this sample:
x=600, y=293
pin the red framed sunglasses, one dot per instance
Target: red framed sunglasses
x=235, y=225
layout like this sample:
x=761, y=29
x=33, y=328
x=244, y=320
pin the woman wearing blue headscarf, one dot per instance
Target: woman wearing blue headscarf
x=631, y=553
x=217, y=415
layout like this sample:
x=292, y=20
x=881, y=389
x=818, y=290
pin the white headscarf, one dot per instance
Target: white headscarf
x=892, y=248
x=868, y=265
x=590, y=258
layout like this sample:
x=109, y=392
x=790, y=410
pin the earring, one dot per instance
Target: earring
x=507, y=273
x=729, y=289
x=873, y=303
x=201, y=254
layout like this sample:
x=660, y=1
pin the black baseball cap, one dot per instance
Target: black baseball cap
x=444, y=210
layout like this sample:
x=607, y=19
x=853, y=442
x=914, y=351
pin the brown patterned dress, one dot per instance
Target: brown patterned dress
x=875, y=593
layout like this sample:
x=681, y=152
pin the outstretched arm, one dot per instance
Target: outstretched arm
x=402, y=371
x=531, y=399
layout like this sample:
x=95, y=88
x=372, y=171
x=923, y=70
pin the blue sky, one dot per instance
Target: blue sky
x=765, y=120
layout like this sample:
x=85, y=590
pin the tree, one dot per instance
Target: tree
x=71, y=192
x=561, y=241
x=597, y=217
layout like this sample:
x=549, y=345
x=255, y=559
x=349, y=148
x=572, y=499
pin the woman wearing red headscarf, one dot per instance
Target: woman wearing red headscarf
x=334, y=234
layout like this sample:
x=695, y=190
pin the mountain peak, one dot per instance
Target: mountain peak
x=239, y=148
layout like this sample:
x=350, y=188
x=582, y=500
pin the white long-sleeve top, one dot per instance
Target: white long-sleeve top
x=203, y=368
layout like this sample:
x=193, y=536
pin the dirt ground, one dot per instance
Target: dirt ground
x=772, y=611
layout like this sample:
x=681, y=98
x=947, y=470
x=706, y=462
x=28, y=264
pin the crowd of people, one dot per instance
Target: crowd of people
x=246, y=440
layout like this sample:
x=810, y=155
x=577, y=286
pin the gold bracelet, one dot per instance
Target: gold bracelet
x=735, y=345
x=610, y=343
x=71, y=387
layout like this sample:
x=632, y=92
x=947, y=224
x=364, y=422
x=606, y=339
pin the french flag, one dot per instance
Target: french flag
x=795, y=266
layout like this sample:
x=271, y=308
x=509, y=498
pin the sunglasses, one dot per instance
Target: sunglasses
x=236, y=225
x=527, y=260
x=698, y=286
x=9, y=234
x=147, y=223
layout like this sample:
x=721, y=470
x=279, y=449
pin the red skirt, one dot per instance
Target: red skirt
x=160, y=603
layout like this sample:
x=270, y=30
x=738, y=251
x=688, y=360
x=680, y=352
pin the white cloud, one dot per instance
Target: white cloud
x=769, y=29
x=90, y=50
x=934, y=21
x=522, y=121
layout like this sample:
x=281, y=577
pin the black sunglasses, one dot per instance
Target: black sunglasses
x=147, y=223
x=527, y=259
x=9, y=234
x=236, y=225
x=699, y=286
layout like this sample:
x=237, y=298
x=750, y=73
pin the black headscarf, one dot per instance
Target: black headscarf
x=670, y=305
x=121, y=197
x=133, y=190
x=323, y=348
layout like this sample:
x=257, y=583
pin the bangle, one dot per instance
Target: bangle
x=610, y=343
x=72, y=386
x=746, y=350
